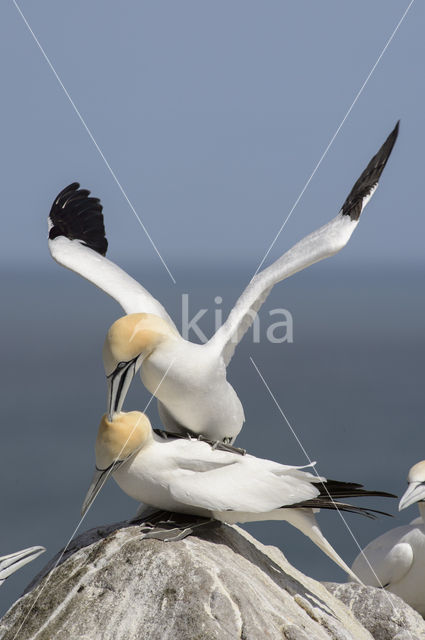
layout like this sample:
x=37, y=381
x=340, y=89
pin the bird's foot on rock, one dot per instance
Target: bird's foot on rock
x=166, y=526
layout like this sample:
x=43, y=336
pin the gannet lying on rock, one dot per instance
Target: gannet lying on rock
x=185, y=475
x=189, y=380
x=397, y=557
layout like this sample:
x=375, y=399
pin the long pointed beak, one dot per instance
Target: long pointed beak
x=98, y=480
x=14, y=561
x=414, y=493
x=118, y=385
x=100, y=476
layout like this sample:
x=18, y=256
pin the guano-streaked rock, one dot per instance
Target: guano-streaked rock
x=220, y=584
x=384, y=614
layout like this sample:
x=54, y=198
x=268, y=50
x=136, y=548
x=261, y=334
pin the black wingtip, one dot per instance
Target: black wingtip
x=368, y=180
x=390, y=141
x=331, y=493
x=78, y=217
x=341, y=489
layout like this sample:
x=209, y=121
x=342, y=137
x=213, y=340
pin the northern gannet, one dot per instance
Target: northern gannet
x=189, y=476
x=14, y=561
x=194, y=395
x=397, y=557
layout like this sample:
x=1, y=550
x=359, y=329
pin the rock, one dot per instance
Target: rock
x=220, y=584
x=384, y=614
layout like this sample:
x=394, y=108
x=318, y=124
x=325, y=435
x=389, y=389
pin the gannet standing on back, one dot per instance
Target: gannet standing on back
x=398, y=556
x=189, y=476
x=14, y=561
x=189, y=380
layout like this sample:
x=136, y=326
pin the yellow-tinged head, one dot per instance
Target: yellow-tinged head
x=129, y=341
x=134, y=335
x=118, y=438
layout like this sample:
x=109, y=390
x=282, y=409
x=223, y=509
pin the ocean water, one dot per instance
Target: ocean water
x=350, y=384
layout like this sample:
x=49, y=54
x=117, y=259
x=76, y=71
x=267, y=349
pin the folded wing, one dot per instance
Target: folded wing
x=220, y=481
x=384, y=563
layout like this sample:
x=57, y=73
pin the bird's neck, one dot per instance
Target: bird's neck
x=421, y=506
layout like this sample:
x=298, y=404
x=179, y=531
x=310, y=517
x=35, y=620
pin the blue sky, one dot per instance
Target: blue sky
x=212, y=116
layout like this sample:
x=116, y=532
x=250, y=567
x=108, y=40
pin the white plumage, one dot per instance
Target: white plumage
x=396, y=559
x=185, y=475
x=195, y=396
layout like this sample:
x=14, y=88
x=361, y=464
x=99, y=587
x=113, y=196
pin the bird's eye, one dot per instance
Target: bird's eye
x=121, y=365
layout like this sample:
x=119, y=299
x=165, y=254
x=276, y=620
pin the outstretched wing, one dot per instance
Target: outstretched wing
x=77, y=241
x=320, y=244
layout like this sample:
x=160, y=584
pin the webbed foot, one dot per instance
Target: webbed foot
x=168, y=527
x=222, y=445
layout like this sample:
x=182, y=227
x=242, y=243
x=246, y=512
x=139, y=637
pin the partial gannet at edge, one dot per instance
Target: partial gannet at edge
x=14, y=561
x=195, y=395
x=398, y=556
x=185, y=475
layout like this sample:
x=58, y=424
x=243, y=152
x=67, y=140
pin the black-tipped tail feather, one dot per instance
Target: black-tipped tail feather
x=332, y=491
x=78, y=217
x=368, y=180
x=338, y=489
x=335, y=505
